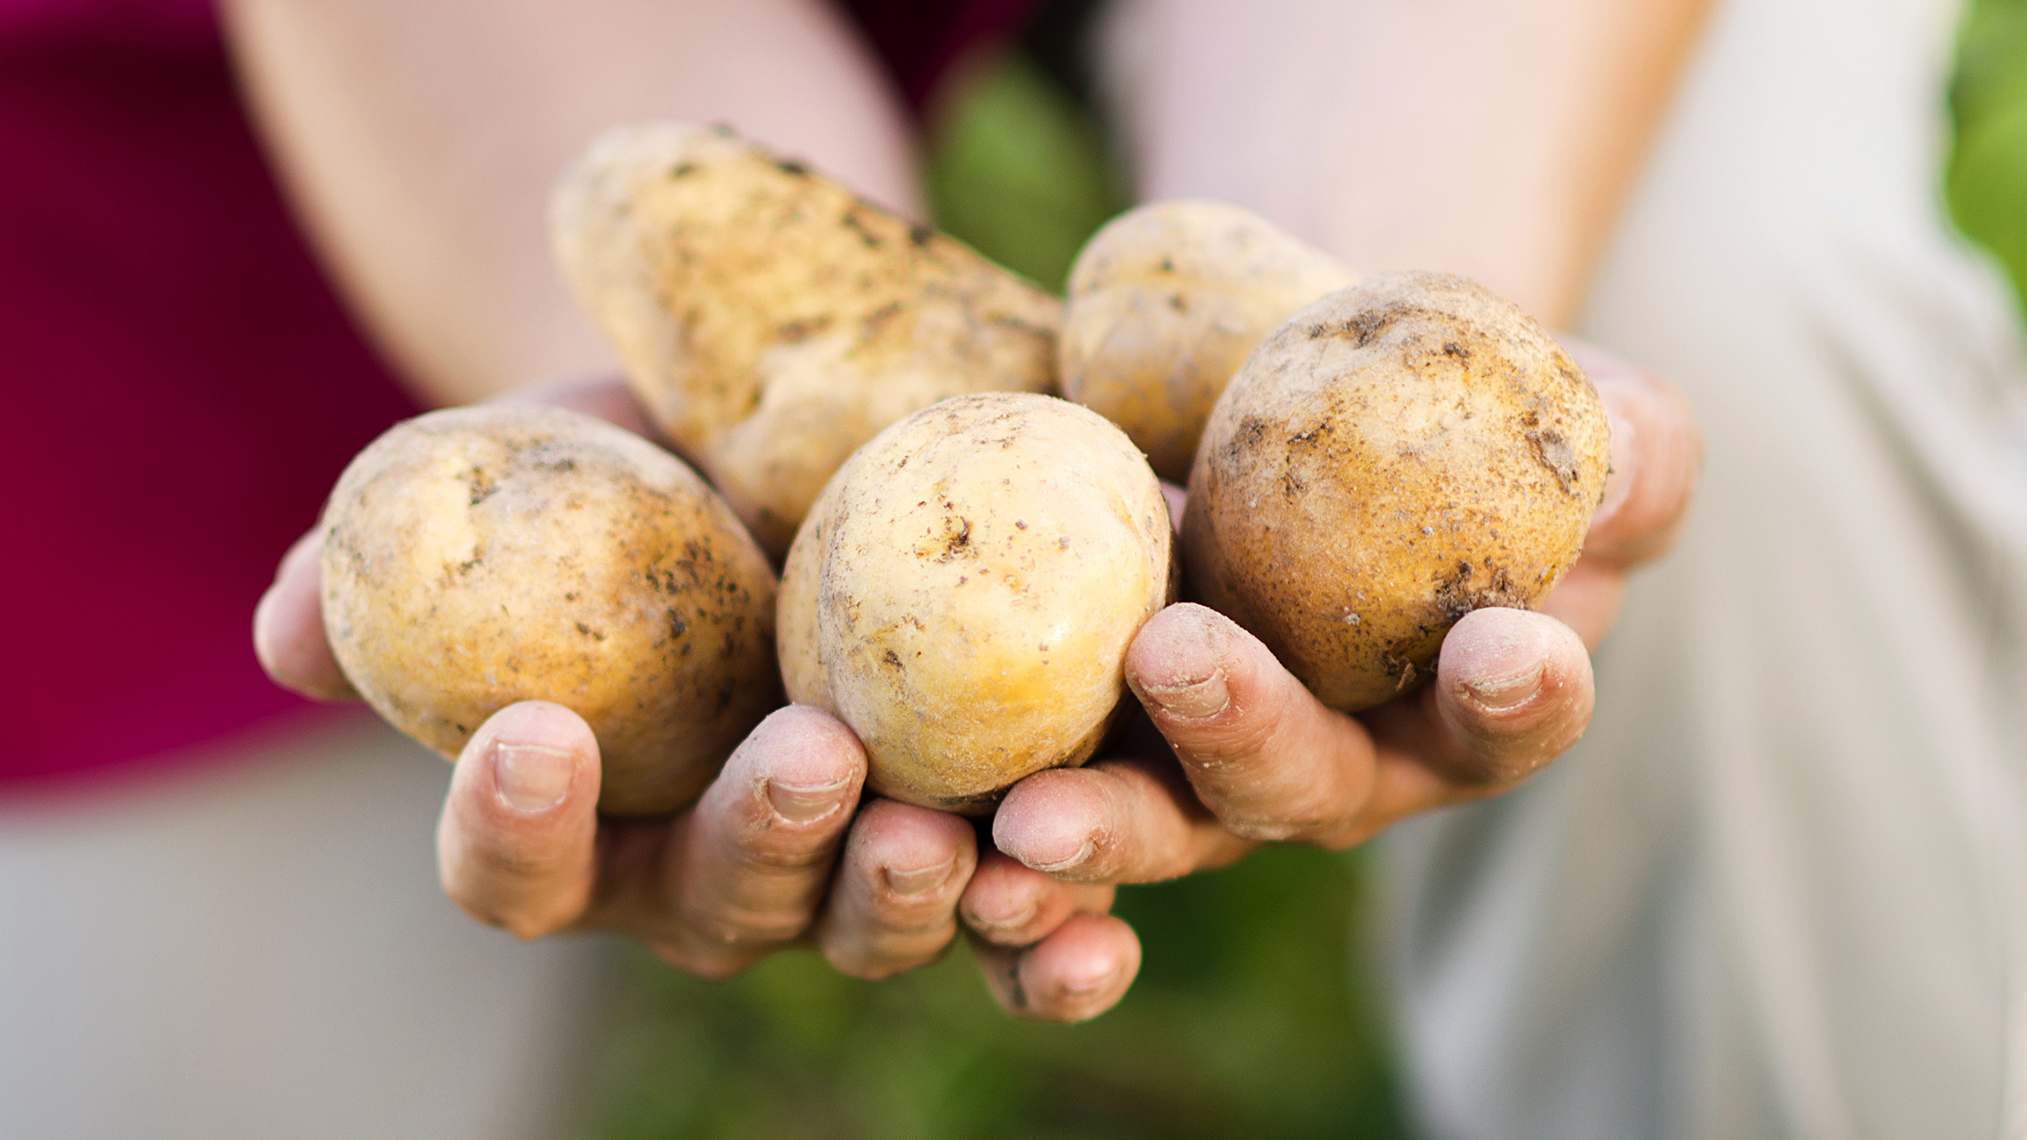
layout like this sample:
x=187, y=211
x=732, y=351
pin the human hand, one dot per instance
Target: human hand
x=1238, y=752
x=782, y=850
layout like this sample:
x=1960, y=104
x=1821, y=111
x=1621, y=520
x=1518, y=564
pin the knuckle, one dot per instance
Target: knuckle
x=506, y=862
x=736, y=928
x=770, y=852
x=857, y=959
x=916, y=921
x=1296, y=823
x=710, y=964
x=527, y=927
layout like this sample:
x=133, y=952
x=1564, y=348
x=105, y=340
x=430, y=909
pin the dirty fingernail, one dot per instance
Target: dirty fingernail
x=1177, y=663
x=802, y=803
x=919, y=880
x=1004, y=923
x=1193, y=700
x=532, y=777
x=1507, y=691
x=1064, y=864
x=1086, y=985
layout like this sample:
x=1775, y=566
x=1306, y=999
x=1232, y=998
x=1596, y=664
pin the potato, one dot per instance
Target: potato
x=1165, y=303
x=964, y=592
x=771, y=321
x=1394, y=456
x=481, y=556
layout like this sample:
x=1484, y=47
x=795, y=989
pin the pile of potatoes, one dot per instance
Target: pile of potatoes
x=967, y=556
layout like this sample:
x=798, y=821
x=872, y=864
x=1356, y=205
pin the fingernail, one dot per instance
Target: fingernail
x=804, y=803
x=1194, y=700
x=1505, y=692
x=1086, y=987
x=1619, y=479
x=532, y=777
x=1005, y=923
x=1081, y=854
x=919, y=880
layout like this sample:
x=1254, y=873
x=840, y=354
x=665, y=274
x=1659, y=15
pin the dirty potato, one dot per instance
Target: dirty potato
x=481, y=556
x=770, y=320
x=1394, y=456
x=964, y=593
x=1165, y=302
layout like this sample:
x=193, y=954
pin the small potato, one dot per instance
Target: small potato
x=964, y=592
x=480, y=556
x=1397, y=455
x=1165, y=302
x=771, y=321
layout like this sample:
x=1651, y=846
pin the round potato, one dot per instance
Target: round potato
x=1165, y=302
x=770, y=320
x=480, y=556
x=1394, y=456
x=964, y=593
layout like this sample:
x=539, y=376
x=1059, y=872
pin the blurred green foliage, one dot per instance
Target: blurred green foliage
x=1254, y=1015
x=1244, y=1022
x=1987, y=176
x=1018, y=169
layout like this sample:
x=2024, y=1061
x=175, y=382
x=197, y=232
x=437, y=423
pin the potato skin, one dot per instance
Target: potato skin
x=770, y=320
x=1394, y=456
x=480, y=556
x=964, y=593
x=1164, y=304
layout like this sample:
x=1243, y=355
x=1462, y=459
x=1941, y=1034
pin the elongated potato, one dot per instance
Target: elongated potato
x=964, y=593
x=771, y=321
x=480, y=556
x=1165, y=302
x=1394, y=456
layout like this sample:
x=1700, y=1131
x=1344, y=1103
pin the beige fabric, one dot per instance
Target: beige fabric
x=1781, y=887
x=259, y=949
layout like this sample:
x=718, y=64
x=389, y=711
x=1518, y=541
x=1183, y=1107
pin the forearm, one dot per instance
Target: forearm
x=419, y=141
x=1495, y=138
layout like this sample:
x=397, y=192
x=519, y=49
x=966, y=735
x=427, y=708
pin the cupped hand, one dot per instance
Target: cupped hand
x=782, y=849
x=1250, y=756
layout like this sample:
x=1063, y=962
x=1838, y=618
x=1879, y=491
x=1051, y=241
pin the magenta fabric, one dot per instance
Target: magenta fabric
x=182, y=389
x=919, y=40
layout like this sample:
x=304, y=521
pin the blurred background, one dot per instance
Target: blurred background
x=1254, y=1013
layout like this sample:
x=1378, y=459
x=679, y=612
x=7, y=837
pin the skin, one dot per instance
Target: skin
x=1255, y=757
x=438, y=247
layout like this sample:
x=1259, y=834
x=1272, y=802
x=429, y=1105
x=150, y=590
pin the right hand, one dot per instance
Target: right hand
x=782, y=849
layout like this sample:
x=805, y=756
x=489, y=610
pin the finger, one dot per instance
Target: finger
x=893, y=904
x=1512, y=691
x=1177, y=500
x=515, y=840
x=288, y=627
x=1656, y=449
x=1588, y=599
x=1118, y=821
x=746, y=868
x=1267, y=758
x=1074, y=974
x=1007, y=904
x=607, y=397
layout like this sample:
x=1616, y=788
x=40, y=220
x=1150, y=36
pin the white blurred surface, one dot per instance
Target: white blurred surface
x=260, y=949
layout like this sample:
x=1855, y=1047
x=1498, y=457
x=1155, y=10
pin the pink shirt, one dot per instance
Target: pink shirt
x=182, y=388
